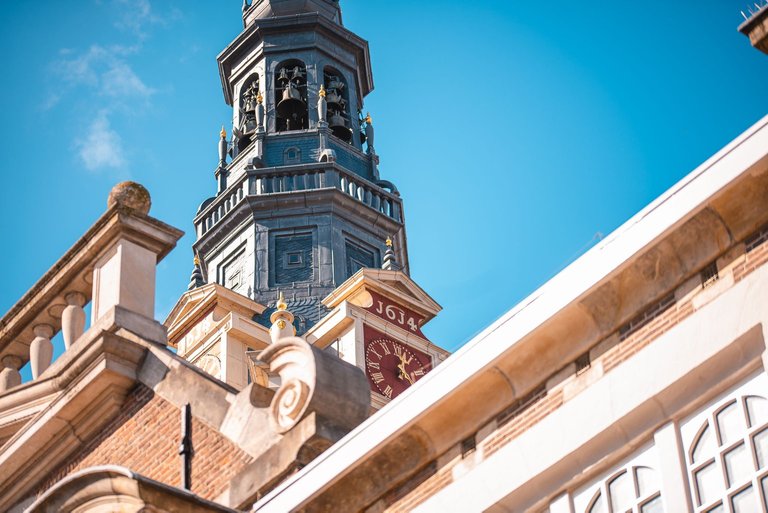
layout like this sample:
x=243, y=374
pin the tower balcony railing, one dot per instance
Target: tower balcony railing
x=112, y=265
x=299, y=178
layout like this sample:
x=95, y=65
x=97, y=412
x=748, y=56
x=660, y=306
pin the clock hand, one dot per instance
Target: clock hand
x=404, y=373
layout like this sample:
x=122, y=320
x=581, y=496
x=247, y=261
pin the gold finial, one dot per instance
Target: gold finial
x=196, y=260
x=223, y=132
x=259, y=98
x=281, y=305
x=368, y=119
x=322, y=91
x=389, y=242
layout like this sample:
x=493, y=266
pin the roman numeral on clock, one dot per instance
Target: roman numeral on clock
x=388, y=391
x=378, y=377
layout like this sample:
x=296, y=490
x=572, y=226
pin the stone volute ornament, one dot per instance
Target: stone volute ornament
x=282, y=321
x=131, y=195
x=314, y=382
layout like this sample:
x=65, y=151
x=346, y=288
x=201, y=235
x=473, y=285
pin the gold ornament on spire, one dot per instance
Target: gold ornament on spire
x=322, y=92
x=368, y=119
x=281, y=304
x=223, y=132
x=389, y=242
x=259, y=98
x=196, y=260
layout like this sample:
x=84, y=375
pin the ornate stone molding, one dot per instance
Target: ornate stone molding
x=313, y=381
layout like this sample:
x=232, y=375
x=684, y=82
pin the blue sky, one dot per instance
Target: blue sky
x=518, y=133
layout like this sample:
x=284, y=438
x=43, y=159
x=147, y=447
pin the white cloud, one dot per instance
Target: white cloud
x=135, y=15
x=105, y=70
x=102, y=146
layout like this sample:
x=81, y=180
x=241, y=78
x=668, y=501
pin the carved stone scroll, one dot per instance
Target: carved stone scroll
x=313, y=381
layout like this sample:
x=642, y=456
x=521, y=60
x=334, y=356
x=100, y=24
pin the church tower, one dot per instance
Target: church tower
x=299, y=204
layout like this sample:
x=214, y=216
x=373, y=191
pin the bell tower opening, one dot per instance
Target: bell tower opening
x=337, y=97
x=291, y=96
x=249, y=101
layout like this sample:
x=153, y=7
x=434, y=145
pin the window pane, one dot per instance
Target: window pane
x=705, y=446
x=598, y=505
x=765, y=491
x=731, y=423
x=646, y=481
x=744, y=501
x=738, y=465
x=653, y=506
x=709, y=483
x=758, y=410
x=761, y=448
x=622, y=492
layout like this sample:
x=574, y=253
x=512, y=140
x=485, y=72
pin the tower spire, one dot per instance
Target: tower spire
x=390, y=259
x=196, y=280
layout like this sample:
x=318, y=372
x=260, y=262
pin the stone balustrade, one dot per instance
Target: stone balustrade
x=112, y=264
x=304, y=177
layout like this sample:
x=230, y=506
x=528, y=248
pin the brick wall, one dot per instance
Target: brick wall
x=627, y=341
x=145, y=438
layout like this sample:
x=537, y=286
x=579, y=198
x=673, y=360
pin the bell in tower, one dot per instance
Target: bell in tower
x=290, y=90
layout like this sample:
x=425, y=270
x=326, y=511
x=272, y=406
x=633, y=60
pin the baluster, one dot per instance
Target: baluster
x=9, y=375
x=73, y=318
x=344, y=183
x=387, y=206
x=376, y=201
x=41, y=350
x=352, y=189
x=395, y=211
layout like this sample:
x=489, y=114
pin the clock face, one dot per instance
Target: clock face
x=393, y=366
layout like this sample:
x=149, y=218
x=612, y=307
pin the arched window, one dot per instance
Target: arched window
x=727, y=456
x=292, y=155
x=248, y=101
x=632, y=490
x=631, y=487
x=337, y=96
x=291, y=96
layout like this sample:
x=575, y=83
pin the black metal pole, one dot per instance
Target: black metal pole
x=185, y=449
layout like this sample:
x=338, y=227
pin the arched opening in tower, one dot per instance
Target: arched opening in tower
x=291, y=96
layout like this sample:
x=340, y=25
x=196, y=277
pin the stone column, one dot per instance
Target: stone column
x=125, y=277
x=9, y=375
x=73, y=318
x=672, y=472
x=41, y=350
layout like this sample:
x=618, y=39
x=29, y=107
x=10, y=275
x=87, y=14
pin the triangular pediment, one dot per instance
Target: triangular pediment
x=195, y=304
x=394, y=284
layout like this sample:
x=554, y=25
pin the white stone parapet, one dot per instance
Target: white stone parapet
x=113, y=264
